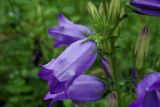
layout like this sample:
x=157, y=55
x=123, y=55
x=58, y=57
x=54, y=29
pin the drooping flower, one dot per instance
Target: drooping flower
x=83, y=88
x=106, y=67
x=148, y=91
x=147, y=7
x=74, y=61
x=66, y=32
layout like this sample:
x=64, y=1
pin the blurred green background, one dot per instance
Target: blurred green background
x=25, y=43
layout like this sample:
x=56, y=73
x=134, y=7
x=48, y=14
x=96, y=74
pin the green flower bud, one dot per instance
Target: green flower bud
x=114, y=13
x=93, y=11
x=142, y=45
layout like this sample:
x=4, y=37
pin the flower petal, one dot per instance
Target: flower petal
x=46, y=72
x=155, y=85
x=66, y=23
x=148, y=12
x=63, y=20
x=55, y=97
x=86, y=88
x=148, y=7
x=148, y=92
x=152, y=99
x=56, y=86
x=147, y=82
x=146, y=4
x=136, y=103
x=67, y=32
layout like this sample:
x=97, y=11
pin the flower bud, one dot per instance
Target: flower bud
x=103, y=8
x=114, y=13
x=106, y=67
x=142, y=45
x=93, y=11
x=113, y=100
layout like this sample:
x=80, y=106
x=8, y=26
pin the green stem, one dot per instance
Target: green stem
x=114, y=70
x=113, y=59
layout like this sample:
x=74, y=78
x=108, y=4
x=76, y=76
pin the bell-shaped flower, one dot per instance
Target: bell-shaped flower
x=83, y=88
x=66, y=32
x=148, y=91
x=74, y=61
x=147, y=7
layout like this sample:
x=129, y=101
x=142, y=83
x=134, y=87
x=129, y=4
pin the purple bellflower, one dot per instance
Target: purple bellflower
x=83, y=88
x=66, y=32
x=148, y=91
x=74, y=61
x=147, y=7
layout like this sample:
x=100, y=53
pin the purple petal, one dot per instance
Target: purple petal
x=55, y=86
x=63, y=20
x=152, y=99
x=148, y=7
x=84, y=88
x=146, y=4
x=46, y=72
x=66, y=23
x=65, y=36
x=48, y=65
x=136, y=103
x=55, y=97
x=148, y=12
x=148, y=92
x=147, y=82
x=67, y=32
x=155, y=85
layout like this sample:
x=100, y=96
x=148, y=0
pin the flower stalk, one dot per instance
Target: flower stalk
x=106, y=22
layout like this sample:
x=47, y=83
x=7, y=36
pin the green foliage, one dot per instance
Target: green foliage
x=23, y=22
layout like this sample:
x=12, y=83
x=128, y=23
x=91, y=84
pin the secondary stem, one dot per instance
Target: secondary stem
x=115, y=73
x=113, y=59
